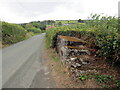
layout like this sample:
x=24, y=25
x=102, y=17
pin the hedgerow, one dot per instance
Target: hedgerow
x=12, y=33
x=102, y=29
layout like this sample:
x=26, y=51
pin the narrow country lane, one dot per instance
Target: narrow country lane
x=23, y=65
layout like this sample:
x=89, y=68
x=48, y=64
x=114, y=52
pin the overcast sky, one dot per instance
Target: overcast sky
x=21, y=11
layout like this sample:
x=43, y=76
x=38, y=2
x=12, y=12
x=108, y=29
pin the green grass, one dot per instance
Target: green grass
x=54, y=56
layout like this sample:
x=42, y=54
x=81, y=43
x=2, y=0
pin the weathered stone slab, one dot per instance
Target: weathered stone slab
x=72, y=39
x=66, y=52
x=74, y=54
x=70, y=46
x=68, y=41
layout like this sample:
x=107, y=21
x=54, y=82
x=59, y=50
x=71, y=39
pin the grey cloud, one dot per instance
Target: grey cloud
x=36, y=8
x=39, y=9
x=33, y=8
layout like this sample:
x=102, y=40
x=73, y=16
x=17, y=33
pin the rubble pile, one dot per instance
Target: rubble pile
x=72, y=51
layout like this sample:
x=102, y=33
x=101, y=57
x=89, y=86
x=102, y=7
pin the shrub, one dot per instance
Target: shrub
x=12, y=33
x=34, y=30
x=103, y=29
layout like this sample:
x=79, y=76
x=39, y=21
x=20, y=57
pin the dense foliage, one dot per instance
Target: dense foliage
x=37, y=26
x=107, y=36
x=101, y=31
x=12, y=33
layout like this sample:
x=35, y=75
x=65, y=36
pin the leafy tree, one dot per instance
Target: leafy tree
x=34, y=29
x=42, y=26
x=59, y=23
x=29, y=25
x=80, y=21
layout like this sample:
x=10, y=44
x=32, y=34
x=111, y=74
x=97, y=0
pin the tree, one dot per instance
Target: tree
x=29, y=25
x=42, y=26
x=79, y=20
x=60, y=23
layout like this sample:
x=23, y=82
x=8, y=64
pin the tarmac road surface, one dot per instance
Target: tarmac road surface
x=23, y=65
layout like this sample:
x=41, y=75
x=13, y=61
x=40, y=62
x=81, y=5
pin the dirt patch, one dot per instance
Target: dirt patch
x=3, y=45
x=63, y=77
x=83, y=67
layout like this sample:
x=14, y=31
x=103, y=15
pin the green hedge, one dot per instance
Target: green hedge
x=12, y=33
x=104, y=30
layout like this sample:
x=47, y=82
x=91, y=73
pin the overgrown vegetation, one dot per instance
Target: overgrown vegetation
x=102, y=34
x=37, y=26
x=101, y=31
x=107, y=81
x=107, y=36
x=12, y=33
x=54, y=56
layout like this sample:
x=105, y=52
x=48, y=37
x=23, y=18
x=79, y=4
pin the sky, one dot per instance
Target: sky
x=23, y=11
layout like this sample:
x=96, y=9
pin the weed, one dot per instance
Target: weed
x=54, y=56
x=118, y=83
x=101, y=79
x=106, y=86
x=83, y=77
